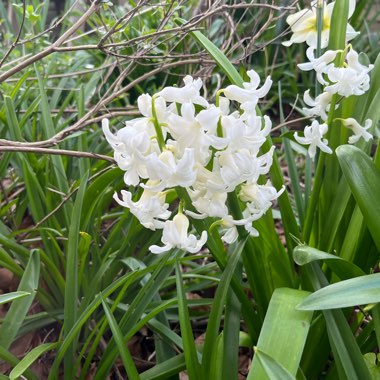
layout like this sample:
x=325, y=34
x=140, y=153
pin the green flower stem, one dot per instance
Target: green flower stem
x=251, y=267
x=287, y=214
x=157, y=127
x=217, y=250
x=318, y=179
x=217, y=97
x=255, y=259
x=320, y=9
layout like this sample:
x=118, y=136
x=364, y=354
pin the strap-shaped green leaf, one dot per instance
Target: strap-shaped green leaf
x=304, y=254
x=30, y=358
x=356, y=291
x=277, y=333
x=363, y=178
x=272, y=368
x=20, y=307
x=8, y=297
x=220, y=59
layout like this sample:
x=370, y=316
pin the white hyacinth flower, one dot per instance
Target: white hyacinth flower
x=174, y=235
x=196, y=131
x=314, y=137
x=208, y=203
x=190, y=93
x=319, y=106
x=259, y=198
x=169, y=171
x=236, y=167
x=151, y=209
x=207, y=151
x=250, y=91
x=132, y=144
x=144, y=103
x=320, y=64
x=246, y=133
x=359, y=131
x=305, y=27
x=353, y=79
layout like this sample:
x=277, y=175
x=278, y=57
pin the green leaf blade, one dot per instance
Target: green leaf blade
x=363, y=178
x=277, y=333
x=356, y=291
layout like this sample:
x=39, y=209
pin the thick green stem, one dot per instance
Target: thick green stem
x=217, y=250
x=318, y=180
x=157, y=127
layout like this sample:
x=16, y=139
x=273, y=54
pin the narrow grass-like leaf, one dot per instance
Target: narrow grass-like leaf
x=13, y=124
x=8, y=357
x=231, y=335
x=304, y=254
x=276, y=333
x=58, y=169
x=212, y=331
x=30, y=358
x=86, y=314
x=125, y=355
x=71, y=288
x=164, y=370
x=363, y=178
x=4, y=298
x=337, y=36
x=136, y=310
x=20, y=307
x=220, y=59
x=272, y=368
x=376, y=322
x=8, y=262
x=356, y=291
x=291, y=163
x=349, y=359
x=189, y=348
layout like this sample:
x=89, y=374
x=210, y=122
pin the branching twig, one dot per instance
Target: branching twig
x=14, y=44
x=58, y=152
x=54, y=26
x=51, y=48
x=83, y=121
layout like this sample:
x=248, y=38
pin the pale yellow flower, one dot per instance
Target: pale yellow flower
x=305, y=29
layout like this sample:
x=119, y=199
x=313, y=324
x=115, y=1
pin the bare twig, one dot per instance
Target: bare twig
x=66, y=198
x=14, y=44
x=279, y=126
x=54, y=26
x=51, y=48
x=83, y=121
x=59, y=152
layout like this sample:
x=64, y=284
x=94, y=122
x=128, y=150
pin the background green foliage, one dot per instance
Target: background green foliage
x=83, y=262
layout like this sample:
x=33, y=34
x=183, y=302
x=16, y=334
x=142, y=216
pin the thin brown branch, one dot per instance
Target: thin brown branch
x=277, y=127
x=58, y=152
x=14, y=44
x=54, y=26
x=65, y=199
x=50, y=49
x=65, y=75
x=85, y=120
x=127, y=17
